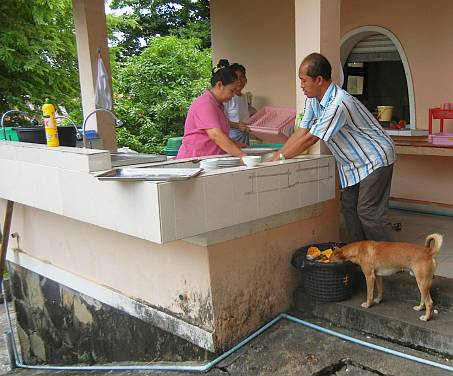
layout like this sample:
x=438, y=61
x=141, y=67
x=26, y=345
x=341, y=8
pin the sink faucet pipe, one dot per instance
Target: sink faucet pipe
x=2, y=121
x=78, y=134
x=118, y=122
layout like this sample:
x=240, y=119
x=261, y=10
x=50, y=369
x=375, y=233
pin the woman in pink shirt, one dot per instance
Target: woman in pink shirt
x=206, y=128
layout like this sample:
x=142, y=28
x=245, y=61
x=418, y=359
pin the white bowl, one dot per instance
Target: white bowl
x=251, y=160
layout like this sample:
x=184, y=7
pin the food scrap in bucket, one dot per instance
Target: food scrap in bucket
x=315, y=254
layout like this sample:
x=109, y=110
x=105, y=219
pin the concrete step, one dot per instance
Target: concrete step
x=393, y=319
x=403, y=285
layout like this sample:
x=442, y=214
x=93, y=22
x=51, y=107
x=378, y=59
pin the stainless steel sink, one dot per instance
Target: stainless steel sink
x=126, y=159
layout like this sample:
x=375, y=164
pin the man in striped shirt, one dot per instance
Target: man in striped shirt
x=364, y=152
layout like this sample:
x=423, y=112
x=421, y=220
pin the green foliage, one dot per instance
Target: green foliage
x=143, y=20
x=154, y=91
x=37, y=54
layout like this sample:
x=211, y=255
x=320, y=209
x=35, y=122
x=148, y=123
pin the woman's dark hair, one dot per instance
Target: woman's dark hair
x=318, y=65
x=238, y=67
x=224, y=73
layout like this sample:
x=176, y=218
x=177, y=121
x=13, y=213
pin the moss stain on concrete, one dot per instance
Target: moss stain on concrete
x=81, y=312
x=37, y=346
x=35, y=296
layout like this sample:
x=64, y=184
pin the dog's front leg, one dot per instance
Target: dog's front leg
x=370, y=279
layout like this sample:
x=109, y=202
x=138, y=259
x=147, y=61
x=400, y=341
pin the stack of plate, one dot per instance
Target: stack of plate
x=209, y=164
x=229, y=162
x=213, y=163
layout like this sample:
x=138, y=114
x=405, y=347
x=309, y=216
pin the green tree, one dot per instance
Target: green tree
x=37, y=54
x=144, y=20
x=153, y=91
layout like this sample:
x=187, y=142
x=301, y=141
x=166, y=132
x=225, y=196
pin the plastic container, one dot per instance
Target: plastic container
x=385, y=113
x=50, y=124
x=11, y=134
x=90, y=134
x=273, y=124
x=173, y=145
x=274, y=146
x=325, y=282
x=251, y=160
x=37, y=135
x=444, y=139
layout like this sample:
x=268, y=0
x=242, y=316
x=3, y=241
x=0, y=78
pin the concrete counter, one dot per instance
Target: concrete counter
x=175, y=270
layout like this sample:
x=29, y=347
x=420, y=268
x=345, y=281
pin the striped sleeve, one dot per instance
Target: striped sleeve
x=308, y=116
x=329, y=123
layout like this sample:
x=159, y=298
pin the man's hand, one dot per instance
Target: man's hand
x=275, y=157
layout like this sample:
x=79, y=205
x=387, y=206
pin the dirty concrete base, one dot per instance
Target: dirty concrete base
x=58, y=325
x=289, y=349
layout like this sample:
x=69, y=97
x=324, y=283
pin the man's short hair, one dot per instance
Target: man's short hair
x=318, y=65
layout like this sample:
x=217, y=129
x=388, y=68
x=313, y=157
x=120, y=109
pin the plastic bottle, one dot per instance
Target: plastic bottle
x=50, y=124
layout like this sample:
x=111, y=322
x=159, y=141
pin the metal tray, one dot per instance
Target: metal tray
x=150, y=174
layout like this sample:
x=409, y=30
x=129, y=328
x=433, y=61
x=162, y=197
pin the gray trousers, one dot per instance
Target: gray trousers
x=365, y=207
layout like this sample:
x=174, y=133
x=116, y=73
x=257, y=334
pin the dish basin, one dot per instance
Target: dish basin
x=126, y=159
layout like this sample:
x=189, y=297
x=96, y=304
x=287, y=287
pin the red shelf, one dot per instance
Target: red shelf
x=440, y=114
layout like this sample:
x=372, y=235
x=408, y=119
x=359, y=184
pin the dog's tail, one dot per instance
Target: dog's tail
x=434, y=248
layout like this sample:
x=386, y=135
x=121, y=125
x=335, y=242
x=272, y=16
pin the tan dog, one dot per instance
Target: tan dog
x=378, y=259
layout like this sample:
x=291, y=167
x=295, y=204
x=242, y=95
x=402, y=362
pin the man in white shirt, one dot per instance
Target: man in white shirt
x=236, y=109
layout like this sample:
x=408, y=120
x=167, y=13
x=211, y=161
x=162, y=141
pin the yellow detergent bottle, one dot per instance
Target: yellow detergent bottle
x=50, y=124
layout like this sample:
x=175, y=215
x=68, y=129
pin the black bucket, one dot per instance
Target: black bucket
x=37, y=135
x=325, y=282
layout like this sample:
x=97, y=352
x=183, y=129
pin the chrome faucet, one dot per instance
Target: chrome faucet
x=78, y=134
x=118, y=122
x=3, y=119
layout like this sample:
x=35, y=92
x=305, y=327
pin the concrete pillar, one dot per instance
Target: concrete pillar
x=91, y=34
x=317, y=30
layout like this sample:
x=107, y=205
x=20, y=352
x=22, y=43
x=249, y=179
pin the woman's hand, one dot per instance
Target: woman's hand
x=224, y=142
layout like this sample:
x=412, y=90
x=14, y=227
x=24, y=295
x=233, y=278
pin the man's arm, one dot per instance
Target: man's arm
x=299, y=141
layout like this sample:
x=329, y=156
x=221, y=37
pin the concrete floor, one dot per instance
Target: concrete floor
x=291, y=349
x=415, y=228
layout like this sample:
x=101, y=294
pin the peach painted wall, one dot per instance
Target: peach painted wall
x=230, y=288
x=252, y=279
x=154, y=273
x=426, y=34
x=260, y=35
x=423, y=178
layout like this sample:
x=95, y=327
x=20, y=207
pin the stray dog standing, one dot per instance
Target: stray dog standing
x=378, y=259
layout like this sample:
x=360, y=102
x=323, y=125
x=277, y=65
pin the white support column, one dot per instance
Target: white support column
x=317, y=30
x=91, y=34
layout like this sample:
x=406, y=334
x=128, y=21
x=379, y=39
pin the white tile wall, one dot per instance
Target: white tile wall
x=59, y=182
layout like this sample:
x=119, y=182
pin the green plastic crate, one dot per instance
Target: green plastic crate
x=170, y=152
x=173, y=145
x=11, y=135
x=274, y=146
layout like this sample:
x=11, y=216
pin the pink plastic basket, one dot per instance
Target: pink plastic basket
x=273, y=124
x=445, y=139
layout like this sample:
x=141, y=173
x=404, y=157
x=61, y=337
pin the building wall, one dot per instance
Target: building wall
x=426, y=35
x=425, y=32
x=229, y=288
x=252, y=279
x=172, y=277
x=423, y=178
x=261, y=36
